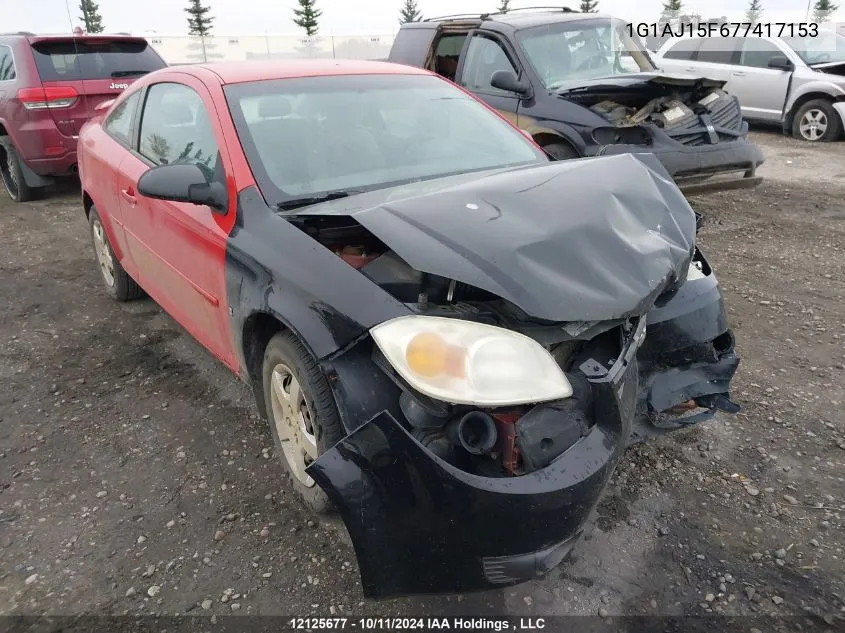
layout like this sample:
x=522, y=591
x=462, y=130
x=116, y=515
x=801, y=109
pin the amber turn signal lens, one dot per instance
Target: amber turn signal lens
x=427, y=354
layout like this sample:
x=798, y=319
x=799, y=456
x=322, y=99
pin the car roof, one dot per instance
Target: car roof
x=260, y=70
x=514, y=19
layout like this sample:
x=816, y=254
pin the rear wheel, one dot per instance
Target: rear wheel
x=12, y=175
x=302, y=413
x=117, y=281
x=561, y=151
x=817, y=120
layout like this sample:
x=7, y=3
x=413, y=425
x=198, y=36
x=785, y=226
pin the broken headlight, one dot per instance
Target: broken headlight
x=462, y=362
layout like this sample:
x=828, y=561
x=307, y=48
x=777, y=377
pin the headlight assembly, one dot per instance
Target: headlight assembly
x=462, y=362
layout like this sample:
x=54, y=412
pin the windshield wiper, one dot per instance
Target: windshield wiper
x=128, y=73
x=296, y=203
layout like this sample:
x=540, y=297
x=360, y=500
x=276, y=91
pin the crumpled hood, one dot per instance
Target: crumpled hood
x=579, y=240
x=636, y=80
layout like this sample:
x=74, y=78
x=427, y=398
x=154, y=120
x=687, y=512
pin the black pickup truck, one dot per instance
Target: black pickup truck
x=581, y=86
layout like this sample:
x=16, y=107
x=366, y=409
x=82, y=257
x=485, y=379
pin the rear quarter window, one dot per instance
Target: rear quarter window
x=7, y=64
x=70, y=60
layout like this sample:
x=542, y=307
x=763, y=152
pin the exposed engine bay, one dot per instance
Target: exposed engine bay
x=502, y=442
x=665, y=111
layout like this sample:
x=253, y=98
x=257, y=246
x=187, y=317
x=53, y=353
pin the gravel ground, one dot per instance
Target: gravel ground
x=135, y=476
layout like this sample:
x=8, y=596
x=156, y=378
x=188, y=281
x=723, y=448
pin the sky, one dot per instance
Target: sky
x=255, y=17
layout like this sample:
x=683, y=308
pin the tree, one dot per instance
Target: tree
x=307, y=16
x=506, y=4
x=91, y=17
x=199, y=22
x=822, y=10
x=755, y=10
x=672, y=7
x=589, y=6
x=410, y=12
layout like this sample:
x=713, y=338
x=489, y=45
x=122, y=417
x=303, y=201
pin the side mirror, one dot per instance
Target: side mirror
x=182, y=183
x=780, y=62
x=507, y=80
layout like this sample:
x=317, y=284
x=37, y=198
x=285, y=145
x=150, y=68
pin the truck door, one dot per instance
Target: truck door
x=484, y=54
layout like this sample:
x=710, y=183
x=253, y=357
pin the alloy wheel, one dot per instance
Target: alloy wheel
x=9, y=178
x=104, y=254
x=294, y=422
x=813, y=124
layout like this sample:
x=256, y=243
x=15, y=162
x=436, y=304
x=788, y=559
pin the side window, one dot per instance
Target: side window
x=119, y=122
x=176, y=129
x=758, y=53
x=484, y=57
x=7, y=64
x=684, y=50
x=447, y=53
x=719, y=50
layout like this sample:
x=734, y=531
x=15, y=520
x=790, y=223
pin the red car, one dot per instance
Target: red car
x=49, y=87
x=453, y=337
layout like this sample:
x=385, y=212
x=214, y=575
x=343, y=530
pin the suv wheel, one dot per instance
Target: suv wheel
x=12, y=175
x=816, y=121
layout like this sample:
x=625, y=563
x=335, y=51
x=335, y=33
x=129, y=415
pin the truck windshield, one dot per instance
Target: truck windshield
x=313, y=136
x=566, y=51
x=825, y=48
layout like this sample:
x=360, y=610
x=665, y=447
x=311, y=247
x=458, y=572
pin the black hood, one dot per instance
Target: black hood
x=636, y=80
x=580, y=240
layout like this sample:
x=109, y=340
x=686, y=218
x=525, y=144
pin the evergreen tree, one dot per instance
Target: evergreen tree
x=506, y=4
x=91, y=17
x=672, y=7
x=307, y=16
x=409, y=12
x=755, y=10
x=822, y=10
x=589, y=6
x=199, y=22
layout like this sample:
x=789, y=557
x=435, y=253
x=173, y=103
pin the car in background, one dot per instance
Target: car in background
x=50, y=85
x=798, y=82
x=580, y=85
x=452, y=337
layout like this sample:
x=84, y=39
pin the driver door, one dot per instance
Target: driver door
x=483, y=55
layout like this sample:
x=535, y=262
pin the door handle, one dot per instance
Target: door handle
x=128, y=195
x=738, y=73
x=690, y=70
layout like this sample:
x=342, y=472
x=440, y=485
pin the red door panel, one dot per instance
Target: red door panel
x=179, y=249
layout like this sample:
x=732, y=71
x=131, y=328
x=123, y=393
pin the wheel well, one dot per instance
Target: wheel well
x=87, y=203
x=545, y=138
x=258, y=329
x=3, y=131
x=801, y=101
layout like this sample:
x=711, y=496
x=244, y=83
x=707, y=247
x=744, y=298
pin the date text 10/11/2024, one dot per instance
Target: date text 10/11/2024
x=726, y=29
x=417, y=624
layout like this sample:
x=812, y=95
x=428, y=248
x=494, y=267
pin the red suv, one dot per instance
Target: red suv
x=49, y=87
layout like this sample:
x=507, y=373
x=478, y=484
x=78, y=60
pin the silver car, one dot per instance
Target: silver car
x=799, y=82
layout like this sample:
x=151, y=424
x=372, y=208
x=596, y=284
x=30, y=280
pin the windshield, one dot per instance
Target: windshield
x=826, y=47
x=309, y=136
x=585, y=49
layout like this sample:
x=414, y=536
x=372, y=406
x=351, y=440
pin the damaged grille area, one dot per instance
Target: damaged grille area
x=724, y=115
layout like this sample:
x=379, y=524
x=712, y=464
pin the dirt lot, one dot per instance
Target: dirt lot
x=136, y=477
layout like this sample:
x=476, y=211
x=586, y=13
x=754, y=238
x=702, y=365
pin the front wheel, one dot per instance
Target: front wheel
x=561, y=151
x=302, y=413
x=817, y=120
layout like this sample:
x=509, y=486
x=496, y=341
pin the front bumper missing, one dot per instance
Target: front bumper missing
x=420, y=525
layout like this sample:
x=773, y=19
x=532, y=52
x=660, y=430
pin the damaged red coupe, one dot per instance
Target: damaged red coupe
x=452, y=336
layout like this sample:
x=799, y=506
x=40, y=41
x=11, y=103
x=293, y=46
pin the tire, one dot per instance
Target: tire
x=817, y=121
x=118, y=283
x=561, y=151
x=13, y=179
x=287, y=364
